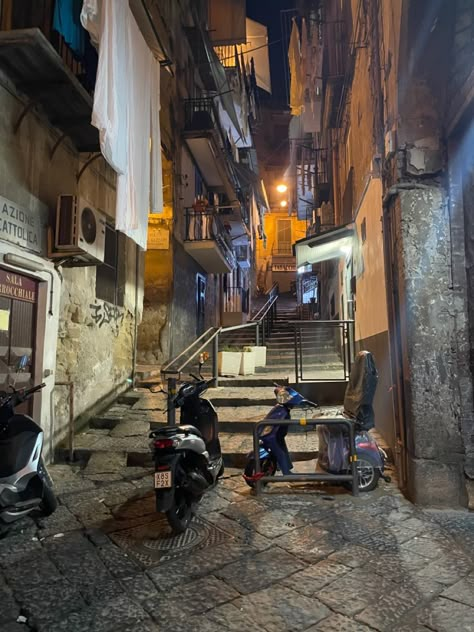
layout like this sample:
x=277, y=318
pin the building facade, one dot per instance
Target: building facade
x=84, y=301
x=396, y=86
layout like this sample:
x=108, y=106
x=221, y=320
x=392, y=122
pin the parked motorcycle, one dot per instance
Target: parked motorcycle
x=25, y=484
x=358, y=407
x=333, y=440
x=273, y=449
x=188, y=458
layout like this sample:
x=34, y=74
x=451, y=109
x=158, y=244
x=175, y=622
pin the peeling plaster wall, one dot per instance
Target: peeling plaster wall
x=98, y=359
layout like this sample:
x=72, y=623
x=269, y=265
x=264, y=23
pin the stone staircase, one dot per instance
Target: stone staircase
x=240, y=402
x=321, y=350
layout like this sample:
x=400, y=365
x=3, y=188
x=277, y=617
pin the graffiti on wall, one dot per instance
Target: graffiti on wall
x=105, y=314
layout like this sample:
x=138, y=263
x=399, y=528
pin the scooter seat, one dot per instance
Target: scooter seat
x=187, y=428
x=172, y=430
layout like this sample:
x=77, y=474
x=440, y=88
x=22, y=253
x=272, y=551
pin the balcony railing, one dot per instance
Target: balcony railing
x=207, y=226
x=201, y=115
x=18, y=15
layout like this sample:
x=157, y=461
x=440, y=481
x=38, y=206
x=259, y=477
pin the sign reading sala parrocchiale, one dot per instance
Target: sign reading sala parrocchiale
x=21, y=226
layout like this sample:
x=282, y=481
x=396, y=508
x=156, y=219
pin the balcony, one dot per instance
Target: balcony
x=208, y=145
x=43, y=67
x=243, y=256
x=235, y=307
x=283, y=259
x=207, y=242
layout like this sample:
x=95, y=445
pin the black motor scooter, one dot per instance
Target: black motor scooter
x=188, y=458
x=25, y=484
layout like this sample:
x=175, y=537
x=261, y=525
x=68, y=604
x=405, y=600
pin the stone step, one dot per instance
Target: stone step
x=250, y=380
x=235, y=447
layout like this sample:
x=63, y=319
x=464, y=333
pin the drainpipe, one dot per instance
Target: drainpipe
x=135, y=335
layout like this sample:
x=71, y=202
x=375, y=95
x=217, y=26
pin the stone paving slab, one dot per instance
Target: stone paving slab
x=295, y=558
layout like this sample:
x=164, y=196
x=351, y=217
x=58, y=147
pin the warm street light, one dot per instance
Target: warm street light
x=283, y=203
x=281, y=188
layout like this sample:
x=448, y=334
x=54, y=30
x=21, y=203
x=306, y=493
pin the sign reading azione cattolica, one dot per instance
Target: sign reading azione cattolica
x=20, y=226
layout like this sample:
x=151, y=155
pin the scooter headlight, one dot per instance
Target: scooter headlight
x=283, y=396
x=266, y=431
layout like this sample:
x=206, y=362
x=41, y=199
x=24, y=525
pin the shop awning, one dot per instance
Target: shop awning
x=331, y=244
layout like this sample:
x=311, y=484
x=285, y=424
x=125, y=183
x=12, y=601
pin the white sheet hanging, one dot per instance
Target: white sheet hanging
x=126, y=112
x=107, y=20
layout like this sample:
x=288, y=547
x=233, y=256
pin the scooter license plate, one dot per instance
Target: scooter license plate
x=163, y=479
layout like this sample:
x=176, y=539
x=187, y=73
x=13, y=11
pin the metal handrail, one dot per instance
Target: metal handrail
x=212, y=335
x=165, y=368
x=347, y=346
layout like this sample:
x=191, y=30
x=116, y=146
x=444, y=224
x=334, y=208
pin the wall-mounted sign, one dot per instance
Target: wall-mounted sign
x=284, y=267
x=17, y=287
x=158, y=237
x=21, y=226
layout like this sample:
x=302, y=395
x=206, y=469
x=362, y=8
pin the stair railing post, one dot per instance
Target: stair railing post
x=215, y=356
x=257, y=335
x=263, y=332
x=171, y=416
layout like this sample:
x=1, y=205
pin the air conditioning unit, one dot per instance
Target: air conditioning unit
x=80, y=230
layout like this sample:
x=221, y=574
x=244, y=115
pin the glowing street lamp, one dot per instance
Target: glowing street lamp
x=282, y=188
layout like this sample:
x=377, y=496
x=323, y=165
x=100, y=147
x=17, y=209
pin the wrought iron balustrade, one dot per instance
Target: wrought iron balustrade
x=207, y=226
x=16, y=15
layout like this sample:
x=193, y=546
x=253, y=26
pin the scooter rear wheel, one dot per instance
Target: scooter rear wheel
x=181, y=512
x=268, y=466
x=369, y=473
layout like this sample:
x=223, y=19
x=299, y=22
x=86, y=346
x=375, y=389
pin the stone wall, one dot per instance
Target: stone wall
x=95, y=346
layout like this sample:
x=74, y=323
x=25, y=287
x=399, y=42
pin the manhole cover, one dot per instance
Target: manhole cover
x=152, y=543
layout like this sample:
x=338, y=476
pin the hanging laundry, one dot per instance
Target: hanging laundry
x=67, y=22
x=296, y=76
x=313, y=82
x=126, y=112
x=106, y=21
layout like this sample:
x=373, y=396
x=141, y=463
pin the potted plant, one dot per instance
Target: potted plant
x=229, y=360
x=247, y=362
x=260, y=355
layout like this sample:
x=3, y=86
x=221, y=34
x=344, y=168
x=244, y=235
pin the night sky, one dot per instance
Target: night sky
x=268, y=12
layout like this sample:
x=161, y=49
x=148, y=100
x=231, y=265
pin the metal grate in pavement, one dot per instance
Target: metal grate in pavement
x=152, y=543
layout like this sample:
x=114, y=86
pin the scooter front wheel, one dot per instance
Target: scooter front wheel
x=49, y=501
x=268, y=467
x=181, y=511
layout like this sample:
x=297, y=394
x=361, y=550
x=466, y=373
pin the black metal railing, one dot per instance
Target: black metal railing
x=23, y=15
x=207, y=226
x=233, y=299
x=201, y=115
x=243, y=254
x=261, y=323
x=321, y=163
x=324, y=350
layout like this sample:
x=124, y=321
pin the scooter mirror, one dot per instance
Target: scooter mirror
x=22, y=363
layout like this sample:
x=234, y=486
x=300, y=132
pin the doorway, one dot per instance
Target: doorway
x=18, y=316
x=201, y=303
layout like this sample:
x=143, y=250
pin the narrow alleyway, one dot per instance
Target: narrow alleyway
x=296, y=558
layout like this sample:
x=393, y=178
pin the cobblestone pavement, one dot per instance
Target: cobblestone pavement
x=296, y=558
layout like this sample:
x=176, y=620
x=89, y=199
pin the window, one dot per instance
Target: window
x=284, y=237
x=110, y=275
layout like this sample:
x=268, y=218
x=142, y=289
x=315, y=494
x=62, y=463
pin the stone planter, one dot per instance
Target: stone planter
x=229, y=363
x=247, y=363
x=260, y=355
